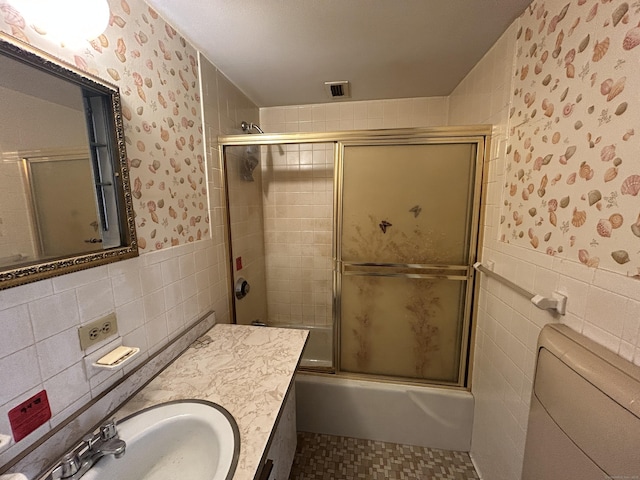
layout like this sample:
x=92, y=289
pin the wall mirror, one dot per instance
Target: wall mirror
x=65, y=198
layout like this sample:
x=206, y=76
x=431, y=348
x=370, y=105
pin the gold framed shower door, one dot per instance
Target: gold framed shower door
x=431, y=273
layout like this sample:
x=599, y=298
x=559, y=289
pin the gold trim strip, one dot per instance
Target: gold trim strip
x=422, y=266
x=407, y=275
x=367, y=137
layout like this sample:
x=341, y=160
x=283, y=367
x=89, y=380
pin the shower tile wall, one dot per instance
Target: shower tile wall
x=297, y=186
x=602, y=305
x=298, y=198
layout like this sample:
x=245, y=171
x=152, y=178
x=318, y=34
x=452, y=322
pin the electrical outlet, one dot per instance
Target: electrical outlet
x=97, y=331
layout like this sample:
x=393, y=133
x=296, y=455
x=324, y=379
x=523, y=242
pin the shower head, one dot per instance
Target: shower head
x=248, y=163
x=247, y=127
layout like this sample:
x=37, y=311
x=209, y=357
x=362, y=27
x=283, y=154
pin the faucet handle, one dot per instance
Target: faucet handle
x=70, y=465
x=108, y=430
x=90, y=440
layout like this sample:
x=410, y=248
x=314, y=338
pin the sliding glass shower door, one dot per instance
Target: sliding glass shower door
x=365, y=238
x=408, y=216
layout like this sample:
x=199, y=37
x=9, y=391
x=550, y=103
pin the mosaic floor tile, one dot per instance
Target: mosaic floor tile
x=328, y=457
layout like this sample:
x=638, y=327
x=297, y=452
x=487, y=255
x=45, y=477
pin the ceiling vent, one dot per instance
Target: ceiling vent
x=338, y=90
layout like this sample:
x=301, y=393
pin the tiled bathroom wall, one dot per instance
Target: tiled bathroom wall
x=155, y=297
x=366, y=115
x=602, y=305
x=159, y=294
x=224, y=109
x=298, y=198
x=297, y=194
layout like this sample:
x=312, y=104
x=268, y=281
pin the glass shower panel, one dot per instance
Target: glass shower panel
x=298, y=217
x=245, y=206
x=402, y=327
x=298, y=212
x=404, y=258
x=407, y=204
x=281, y=235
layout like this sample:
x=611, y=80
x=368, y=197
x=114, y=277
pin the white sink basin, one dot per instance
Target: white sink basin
x=187, y=439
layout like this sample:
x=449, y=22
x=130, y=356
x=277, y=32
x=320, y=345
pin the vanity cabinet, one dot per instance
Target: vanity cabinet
x=266, y=470
x=282, y=449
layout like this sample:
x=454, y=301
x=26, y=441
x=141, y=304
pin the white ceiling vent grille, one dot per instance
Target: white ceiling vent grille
x=338, y=90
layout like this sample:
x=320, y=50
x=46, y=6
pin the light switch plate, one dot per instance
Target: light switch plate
x=98, y=330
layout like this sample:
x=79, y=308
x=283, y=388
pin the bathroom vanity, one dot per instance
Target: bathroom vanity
x=249, y=371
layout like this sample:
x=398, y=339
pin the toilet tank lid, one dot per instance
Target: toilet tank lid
x=610, y=373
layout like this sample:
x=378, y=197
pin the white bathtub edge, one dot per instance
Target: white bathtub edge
x=407, y=414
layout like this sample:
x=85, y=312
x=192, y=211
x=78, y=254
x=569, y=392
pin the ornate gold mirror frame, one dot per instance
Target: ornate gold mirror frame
x=105, y=99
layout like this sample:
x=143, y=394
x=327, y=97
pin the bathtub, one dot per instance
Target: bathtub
x=407, y=414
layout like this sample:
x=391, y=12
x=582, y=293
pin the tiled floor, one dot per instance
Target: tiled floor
x=327, y=457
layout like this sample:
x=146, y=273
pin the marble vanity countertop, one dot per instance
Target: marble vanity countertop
x=247, y=370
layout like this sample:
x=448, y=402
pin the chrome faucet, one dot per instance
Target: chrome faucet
x=92, y=448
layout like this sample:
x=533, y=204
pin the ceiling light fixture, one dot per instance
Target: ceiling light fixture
x=69, y=21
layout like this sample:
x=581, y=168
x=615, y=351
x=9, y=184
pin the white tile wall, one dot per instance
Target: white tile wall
x=603, y=306
x=364, y=115
x=39, y=345
x=298, y=190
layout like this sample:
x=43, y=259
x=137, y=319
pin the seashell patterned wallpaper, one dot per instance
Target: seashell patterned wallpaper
x=157, y=73
x=573, y=168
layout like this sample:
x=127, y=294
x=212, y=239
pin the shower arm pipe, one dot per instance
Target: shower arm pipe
x=557, y=301
x=247, y=127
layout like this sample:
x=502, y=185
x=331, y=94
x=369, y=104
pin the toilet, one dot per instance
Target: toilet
x=584, y=419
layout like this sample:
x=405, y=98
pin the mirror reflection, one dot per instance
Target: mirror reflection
x=64, y=193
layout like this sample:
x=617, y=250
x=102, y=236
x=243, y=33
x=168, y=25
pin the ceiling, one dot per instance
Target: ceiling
x=21, y=78
x=280, y=52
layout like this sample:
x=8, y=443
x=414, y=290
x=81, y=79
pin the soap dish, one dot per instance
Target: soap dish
x=116, y=358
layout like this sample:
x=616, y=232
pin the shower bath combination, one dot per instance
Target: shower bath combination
x=388, y=309
x=358, y=248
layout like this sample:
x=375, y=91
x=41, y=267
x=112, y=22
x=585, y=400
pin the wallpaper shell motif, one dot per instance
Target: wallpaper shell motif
x=157, y=73
x=573, y=169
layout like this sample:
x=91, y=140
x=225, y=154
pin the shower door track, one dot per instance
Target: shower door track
x=411, y=135
x=478, y=134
